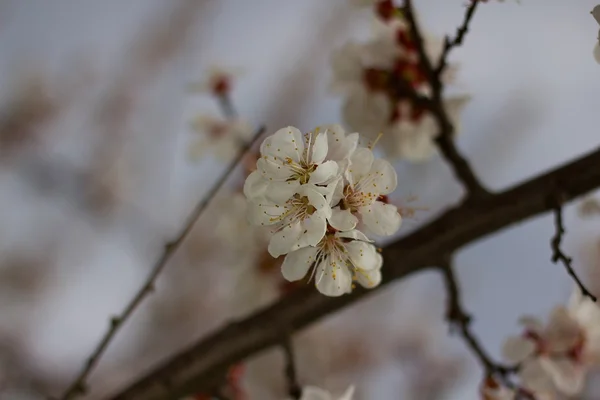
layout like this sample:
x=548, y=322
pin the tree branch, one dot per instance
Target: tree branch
x=462, y=322
x=294, y=389
x=195, y=368
x=559, y=255
x=449, y=44
x=445, y=139
x=79, y=385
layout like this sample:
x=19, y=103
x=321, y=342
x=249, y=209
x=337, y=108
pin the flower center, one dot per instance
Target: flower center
x=354, y=198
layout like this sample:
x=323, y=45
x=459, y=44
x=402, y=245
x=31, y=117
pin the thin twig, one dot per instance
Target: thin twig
x=449, y=44
x=227, y=107
x=78, y=387
x=294, y=389
x=461, y=321
x=559, y=255
x=445, y=138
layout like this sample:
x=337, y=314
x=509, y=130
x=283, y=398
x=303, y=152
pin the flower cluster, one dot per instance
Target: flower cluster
x=318, y=191
x=370, y=75
x=555, y=357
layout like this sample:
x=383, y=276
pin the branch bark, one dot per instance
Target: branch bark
x=197, y=367
x=559, y=255
x=445, y=139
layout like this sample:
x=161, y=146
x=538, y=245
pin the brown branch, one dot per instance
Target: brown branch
x=78, y=387
x=195, y=368
x=559, y=255
x=294, y=389
x=449, y=44
x=445, y=139
x=462, y=322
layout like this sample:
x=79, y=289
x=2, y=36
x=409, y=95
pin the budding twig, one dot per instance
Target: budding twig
x=227, y=107
x=559, y=255
x=461, y=321
x=444, y=140
x=79, y=385
x=461, y=32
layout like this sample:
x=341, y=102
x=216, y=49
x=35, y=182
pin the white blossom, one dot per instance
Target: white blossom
x=366, y=111
x=412, y=137
x=368, y=180
x=596, y=51
x=221, y=137
x=315, y=393
x=561, y=352
x=290, y=159
x=338, y=259
x=313, y=191
x=299, y=222
x=366, y=74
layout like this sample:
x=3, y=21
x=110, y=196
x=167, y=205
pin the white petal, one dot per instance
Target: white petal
x=255, y=186
x=363, y=255
x=226, y=148
x=315, y=198
x=353, y=234
x=534, y=377
x=274, y=169
x=313, y=230
x=342, y=220
x=315, y=393
x=286, y=142
x=532, y=324
x=283, y=241
x=296, y=264
x=567, y=377
x=347, y=66
x=263, y=212
x=340, y=146
x=333, y=280
x=348, y=394
x=562, y=331
x=369, y=279
x=360, y=164
x=516, y=349
x=324, y=173
x=597, y=52
x=454, y=108
x=380, y=218
x=280, y=192
x=333, y=192
x=384, y=178
x=365, y=112
x=319, y=148
x=415, y=141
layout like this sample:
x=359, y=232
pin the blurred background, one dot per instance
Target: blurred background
x=95, y=176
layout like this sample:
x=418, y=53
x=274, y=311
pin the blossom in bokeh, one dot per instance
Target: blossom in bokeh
x=218, y=82
x=223, y=138
x=315, y=393
x=560, y=352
